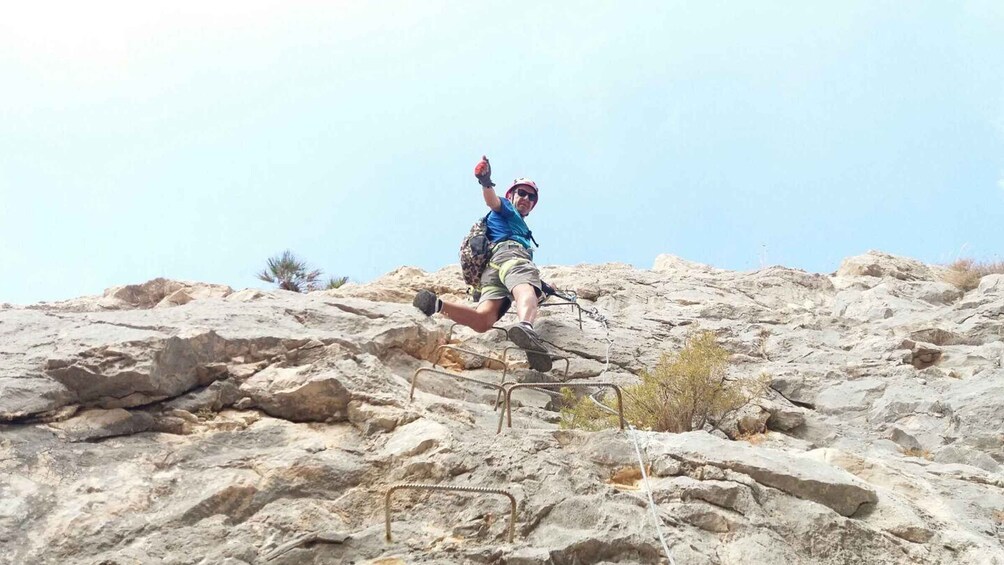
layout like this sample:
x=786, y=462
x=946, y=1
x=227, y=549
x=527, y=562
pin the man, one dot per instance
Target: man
x=510, y=275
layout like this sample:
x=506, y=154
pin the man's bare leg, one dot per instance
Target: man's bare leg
x=480, y=319
x=525, y=298
x=523, y=334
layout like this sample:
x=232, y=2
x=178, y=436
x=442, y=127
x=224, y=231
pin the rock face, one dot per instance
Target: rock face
x=185, y=423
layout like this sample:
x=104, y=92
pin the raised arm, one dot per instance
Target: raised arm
x=483, y=172
x=492, y=199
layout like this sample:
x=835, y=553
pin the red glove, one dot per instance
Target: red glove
x=483, y=172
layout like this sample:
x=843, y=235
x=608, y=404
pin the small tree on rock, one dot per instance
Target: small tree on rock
x=290, y=273
x=336, y=282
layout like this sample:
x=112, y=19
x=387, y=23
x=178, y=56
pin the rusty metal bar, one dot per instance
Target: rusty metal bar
x=511, y=387
x=575, y=306
x=438, y=354
x=414, y=380
x=512, y=501
x=505, y=353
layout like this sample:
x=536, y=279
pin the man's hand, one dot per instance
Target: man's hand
x=483, y=172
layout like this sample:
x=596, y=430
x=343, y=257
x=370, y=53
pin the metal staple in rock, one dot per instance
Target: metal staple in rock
x=574, y=305
x=512, y=501
x=512, y=386
x=414, y=380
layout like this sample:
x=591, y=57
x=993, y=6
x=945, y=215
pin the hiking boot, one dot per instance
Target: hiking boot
x=427, y=302
x=525, y=337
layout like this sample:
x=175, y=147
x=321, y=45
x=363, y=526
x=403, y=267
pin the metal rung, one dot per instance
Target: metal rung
x=575, y=306
x=509, y=387
x=512, y=501
x=505, y=354
x=414, y=380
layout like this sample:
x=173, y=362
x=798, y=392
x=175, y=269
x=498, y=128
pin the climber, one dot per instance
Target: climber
x=510, y=274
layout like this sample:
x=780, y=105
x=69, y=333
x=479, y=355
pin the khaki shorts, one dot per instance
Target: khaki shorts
x=511, y=265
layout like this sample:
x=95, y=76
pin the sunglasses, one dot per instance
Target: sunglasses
x=531, y=196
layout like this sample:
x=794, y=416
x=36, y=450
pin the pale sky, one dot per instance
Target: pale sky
x=194, y=140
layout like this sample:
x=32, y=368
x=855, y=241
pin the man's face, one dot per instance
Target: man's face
x=524, y=198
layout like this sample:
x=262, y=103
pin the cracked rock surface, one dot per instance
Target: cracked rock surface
x=185, y=423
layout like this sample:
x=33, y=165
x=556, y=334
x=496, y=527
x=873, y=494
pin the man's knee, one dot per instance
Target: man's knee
x=488, y=314
x=526, y=291
x=482, y=326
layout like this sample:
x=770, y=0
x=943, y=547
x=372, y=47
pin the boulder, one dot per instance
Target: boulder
x=415, y=438
x=137, y=373
x=22, y=397
x=991, y=285
x=920, y=355
x=966, y=456
x=96, y=424
x=299, y=394
x=827, y=485
x=879, y=264
x=159, y=293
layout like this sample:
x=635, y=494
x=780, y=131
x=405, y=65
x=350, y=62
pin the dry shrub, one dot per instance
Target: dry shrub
x=917, y=452
x=965, y=274
x=684, y=392
x=752, y=438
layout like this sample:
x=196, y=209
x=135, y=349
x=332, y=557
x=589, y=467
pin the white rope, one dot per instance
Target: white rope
x=648, y=491
x=632, y=433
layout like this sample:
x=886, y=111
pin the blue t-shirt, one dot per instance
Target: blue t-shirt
x=508, y=224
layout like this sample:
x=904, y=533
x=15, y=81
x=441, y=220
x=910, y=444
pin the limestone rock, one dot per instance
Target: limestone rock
x=295, y=394
x=214, y=397
x=783, y=416
x=159, y=293
x=97, y=424
x=826, y=485
x=374, y=418
x=265, y=426
x=133, y=374
x=967, y=456
x=666, y=262
x=415, y=438
x=21, y=397
x=878, y=264
x=196, y=291
x=921, y=355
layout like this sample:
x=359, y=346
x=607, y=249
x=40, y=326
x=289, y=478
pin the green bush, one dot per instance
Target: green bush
x=684, y=391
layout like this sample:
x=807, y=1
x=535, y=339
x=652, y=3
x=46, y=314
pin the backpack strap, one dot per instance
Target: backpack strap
x=530, y=233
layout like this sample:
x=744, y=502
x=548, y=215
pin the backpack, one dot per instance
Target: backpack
x=475, y=250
